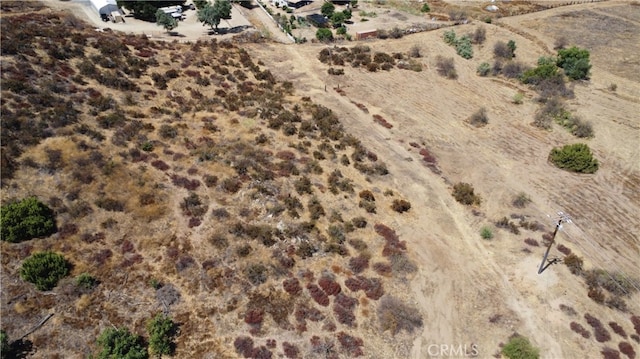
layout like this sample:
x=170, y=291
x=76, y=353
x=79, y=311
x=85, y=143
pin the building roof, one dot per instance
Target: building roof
x=105, y=6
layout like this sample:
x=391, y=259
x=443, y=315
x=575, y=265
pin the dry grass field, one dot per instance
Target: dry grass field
x=253, y=197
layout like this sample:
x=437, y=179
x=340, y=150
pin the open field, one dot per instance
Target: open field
x=467, y=291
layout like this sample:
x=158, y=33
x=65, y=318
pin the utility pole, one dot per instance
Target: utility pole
x=563, y=218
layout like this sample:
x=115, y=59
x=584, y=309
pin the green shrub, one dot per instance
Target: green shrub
x=546, y=69
x=120, y=344
x=425, y=8
x=324, y=35
x=26, y=219
x=161, y=331
x=44, y=269
x=86, y=281
x=576, y=158
x=483, y=69
x=464, y=193
x=486, y=233
x=519, y=347
x=518, y=97
x=450, y=37
x=464, y=48
x=575, y=62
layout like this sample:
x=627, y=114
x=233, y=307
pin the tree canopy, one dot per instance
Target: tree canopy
x=212, y=14
x=26, y=219
x=121, y=344
x=166, y=20
x=328, y=9
x=575, y=62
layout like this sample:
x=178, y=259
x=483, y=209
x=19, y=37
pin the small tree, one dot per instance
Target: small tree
x=161, y=331
x=165, y=20
x=576, y=158
x=26, y=219
x=519, y=347
x=328, y=9
x=212, y=14
x=338, y=18
x=120, y=344
x=575, y=62
x=324, y=34
x=44, y=269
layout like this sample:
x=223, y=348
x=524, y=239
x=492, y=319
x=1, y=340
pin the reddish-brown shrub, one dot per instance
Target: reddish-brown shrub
x=382, y=269
x=372, y=288
x=345, y=301
x=254, y=316
x=329, y=285
x=161, y=165
x=400, y=205
x=318, y=294
x=244, y=346
x=353, y=283
x=304, y=312
x=351, y=345
x=627, y=349
x=618, y=329
x=601, y=333
x=635, y=320
x=102, y=256
x=127, y=246
x=292, y=286
x=194, y=222
x=635, y=337
x=610, y=353
x=532, y=242
x=564, y=250
x=290, y=350
x=359, y=263
x=382, y=121
x=344, y=315
x=185, y=182
x=576, y=327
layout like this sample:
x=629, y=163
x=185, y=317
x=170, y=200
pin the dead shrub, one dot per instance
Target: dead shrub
x=256, y=273
x=351, y=345
x=291, y=351
x=479, y=118
x=446, y=67
x=395, y=316
x=382, y=269
x=400, y=205
x=601, y=333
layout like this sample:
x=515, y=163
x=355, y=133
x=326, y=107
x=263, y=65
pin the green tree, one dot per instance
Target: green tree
x=512, y=46
x=338, y=18
x=575, y=62
x=576, y=158
x=324, y=35
x=546, y=69
x=120, y=344
x=200, y=3
x=26, y=219
x=328, y=9
x=161, y=331
x=165, y=20
x=519, y=347
x=212, y=14
x=44, y=269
